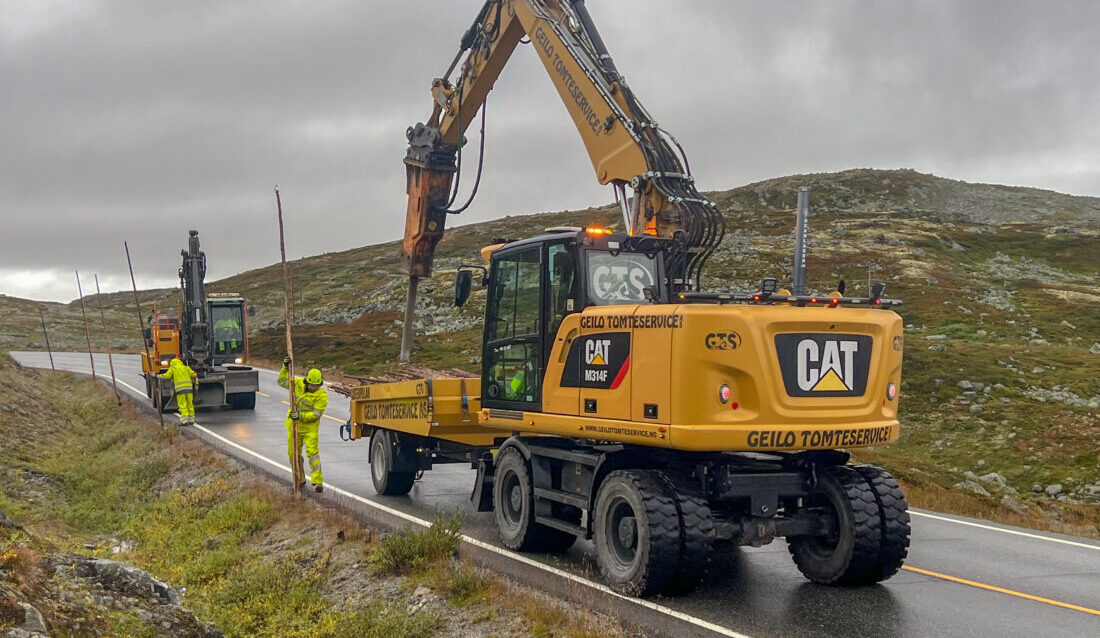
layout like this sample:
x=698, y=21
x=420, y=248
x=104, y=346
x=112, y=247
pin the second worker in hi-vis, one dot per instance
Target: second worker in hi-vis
x=312, y=400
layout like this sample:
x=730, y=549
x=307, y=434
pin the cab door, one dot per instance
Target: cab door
x=513, y=338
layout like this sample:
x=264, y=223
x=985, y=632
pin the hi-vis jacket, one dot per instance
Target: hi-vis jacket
x=181, y=375
x=311, y=405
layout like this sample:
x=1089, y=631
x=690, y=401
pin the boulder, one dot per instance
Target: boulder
x=1053, y=490
x=994, y=478
x=125, y=578
x=971, y=486
x=33, y=623
x=965, y=384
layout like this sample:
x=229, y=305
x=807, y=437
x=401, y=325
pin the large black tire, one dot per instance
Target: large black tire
x=852, y=555
x=894, y=517
x=383, y=451
x=637, y=532
x=514, y=508
x=696, y=540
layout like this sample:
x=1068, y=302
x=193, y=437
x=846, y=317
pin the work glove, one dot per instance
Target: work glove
x=294, y=415
x=286, y=362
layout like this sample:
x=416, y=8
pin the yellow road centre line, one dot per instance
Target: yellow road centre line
x=1001, y=590
x=263, y=394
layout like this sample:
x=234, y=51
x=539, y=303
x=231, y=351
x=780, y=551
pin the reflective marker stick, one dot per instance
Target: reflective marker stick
x=288, y=299
x=87, y=333
x=47, y=336
x=107, y=335
x=141, y=325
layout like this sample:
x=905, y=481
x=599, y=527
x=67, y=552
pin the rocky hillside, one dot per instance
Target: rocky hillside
x=907, y=191
x=1001, y=288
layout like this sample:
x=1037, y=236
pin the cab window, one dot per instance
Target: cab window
x=228, y=329
x=561, y=276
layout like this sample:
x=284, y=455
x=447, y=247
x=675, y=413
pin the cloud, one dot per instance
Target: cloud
x=139, y=121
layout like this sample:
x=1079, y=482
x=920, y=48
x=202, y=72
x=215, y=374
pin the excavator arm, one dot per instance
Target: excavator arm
x=626, y=146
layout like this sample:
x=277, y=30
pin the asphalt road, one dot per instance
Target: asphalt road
x=963, y=577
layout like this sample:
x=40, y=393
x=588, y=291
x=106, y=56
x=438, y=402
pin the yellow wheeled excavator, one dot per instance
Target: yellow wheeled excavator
x=618, y=401
x=209, y=333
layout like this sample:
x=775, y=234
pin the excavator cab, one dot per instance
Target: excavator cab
x=230, y=333
x=534, y=284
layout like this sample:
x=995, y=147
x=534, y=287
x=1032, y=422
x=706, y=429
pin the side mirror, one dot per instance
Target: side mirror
x=464, y=281
x=877, y=290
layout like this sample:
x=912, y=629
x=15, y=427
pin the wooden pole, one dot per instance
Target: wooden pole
x=155, y=383
x=87, y=332
x=107, y=335
x=288, y=299
x=47, y=336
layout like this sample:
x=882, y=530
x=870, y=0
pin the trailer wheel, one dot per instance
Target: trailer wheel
x=514, y=509
x=851, y=555
x=894, y=520
x=383, y=448
x=637, y=532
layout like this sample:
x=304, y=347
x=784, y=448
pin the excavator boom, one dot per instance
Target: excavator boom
x=626, y=146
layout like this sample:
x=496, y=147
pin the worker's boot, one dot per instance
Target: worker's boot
x=318, y=488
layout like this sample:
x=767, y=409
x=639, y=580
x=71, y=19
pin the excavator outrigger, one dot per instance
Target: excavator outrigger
x=617, y=401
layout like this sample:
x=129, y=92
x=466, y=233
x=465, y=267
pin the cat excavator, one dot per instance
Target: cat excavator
x=618, y=401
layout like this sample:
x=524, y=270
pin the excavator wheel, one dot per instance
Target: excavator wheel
x=894, y=516
x=387, y=481
x=514, y=508
x=637, y=532
x=852, y=555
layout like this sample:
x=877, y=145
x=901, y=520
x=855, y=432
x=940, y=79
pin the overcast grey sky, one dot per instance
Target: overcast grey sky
x=141, y=120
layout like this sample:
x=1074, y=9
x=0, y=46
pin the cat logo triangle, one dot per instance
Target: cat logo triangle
x=598, y=360
x=831, y=382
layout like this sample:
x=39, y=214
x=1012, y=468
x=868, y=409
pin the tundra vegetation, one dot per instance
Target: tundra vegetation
x=1001, y=391
x=111, y=527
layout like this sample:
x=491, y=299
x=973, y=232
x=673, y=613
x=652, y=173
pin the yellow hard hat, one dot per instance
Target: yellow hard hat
x=314, y=377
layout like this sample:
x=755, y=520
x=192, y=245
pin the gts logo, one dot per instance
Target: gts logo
x=827, y=368
x=722, y=341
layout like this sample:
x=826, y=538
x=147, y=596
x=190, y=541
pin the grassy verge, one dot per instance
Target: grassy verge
x=85, y=475
x=428, y=558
